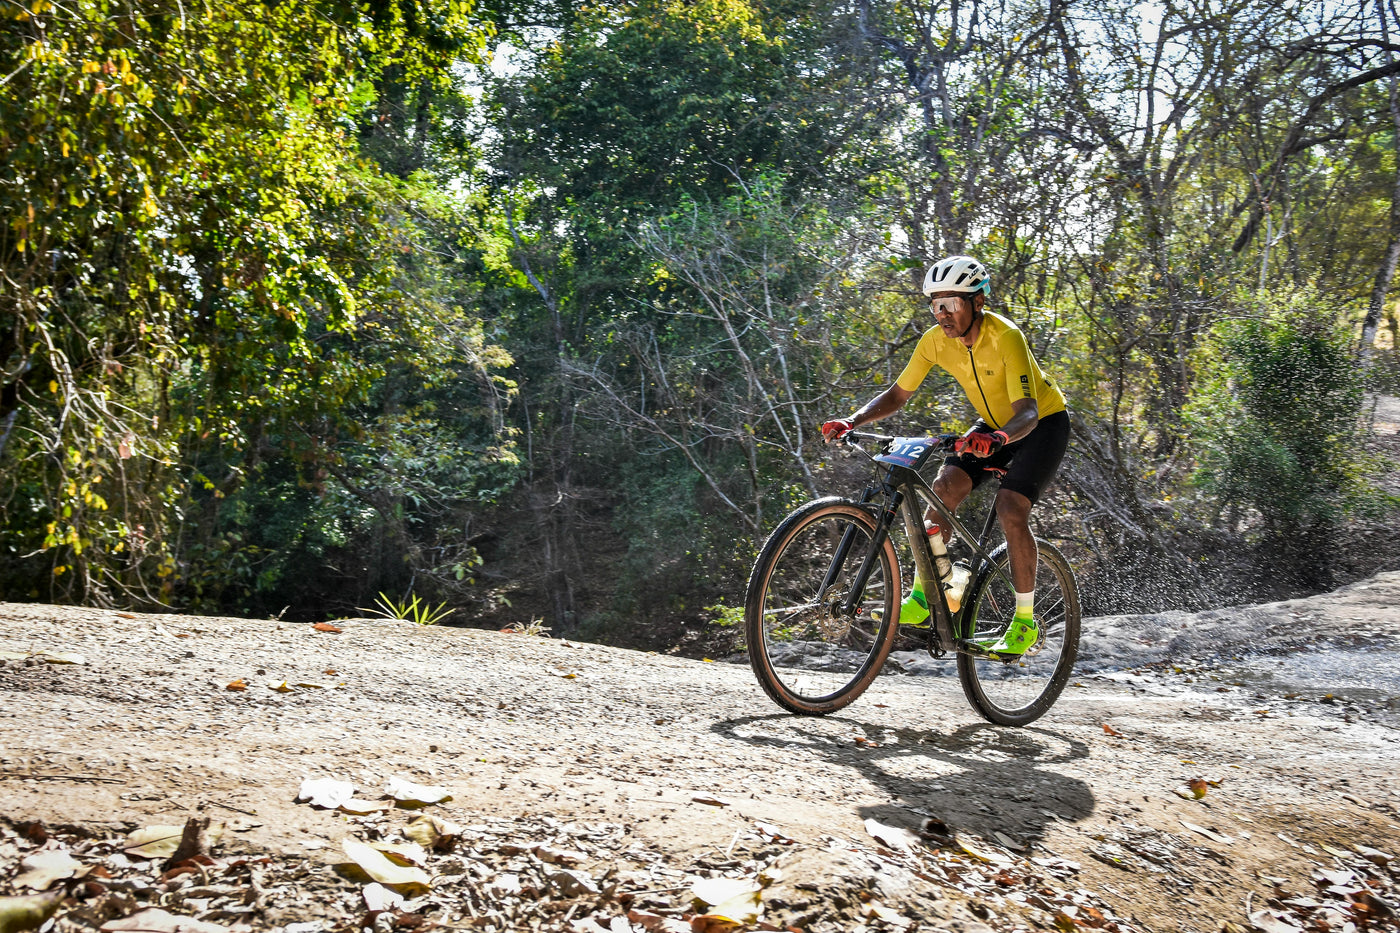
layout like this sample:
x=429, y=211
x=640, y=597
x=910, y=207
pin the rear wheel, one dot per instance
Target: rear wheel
x=1018, y=691
x=807, y=654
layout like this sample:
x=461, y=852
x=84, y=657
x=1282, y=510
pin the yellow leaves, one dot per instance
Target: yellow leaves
x=152, y=842
x=379, y=867
x=736, y=900
x=28, y=912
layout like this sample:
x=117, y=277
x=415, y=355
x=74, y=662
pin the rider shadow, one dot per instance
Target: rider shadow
x=1000, y=780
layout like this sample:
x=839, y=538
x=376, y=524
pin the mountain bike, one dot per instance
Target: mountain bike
x=822, y=610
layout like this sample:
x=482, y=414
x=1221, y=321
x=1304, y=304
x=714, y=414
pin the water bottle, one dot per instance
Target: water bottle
x=953, y=576
x=957, y=585
x=941, y=564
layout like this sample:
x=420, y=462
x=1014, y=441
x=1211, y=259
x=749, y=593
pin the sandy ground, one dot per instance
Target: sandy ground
x=664, y=772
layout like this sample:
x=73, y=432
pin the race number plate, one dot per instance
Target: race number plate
x=911, y=452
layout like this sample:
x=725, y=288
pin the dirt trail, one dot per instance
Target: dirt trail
x=612, y=755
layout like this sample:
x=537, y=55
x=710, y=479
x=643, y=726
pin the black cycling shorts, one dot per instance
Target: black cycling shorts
x=1030, y=463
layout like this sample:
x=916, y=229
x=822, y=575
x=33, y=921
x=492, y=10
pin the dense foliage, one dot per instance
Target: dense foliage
x=534, y=308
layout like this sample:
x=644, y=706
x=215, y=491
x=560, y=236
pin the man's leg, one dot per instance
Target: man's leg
x=953, y=486
x=1014, y=511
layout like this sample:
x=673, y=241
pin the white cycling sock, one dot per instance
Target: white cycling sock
x=1024, y=605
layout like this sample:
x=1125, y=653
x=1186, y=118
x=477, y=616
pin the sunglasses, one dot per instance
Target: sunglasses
x=941, y=306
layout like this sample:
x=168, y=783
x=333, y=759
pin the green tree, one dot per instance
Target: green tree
x=1280, y=425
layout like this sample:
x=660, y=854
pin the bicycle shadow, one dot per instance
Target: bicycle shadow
x=979, y=778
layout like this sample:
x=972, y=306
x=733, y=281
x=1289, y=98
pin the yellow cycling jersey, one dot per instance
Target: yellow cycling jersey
x=996, y=370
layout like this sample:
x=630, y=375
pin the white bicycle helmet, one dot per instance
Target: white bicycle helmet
x=961, y=274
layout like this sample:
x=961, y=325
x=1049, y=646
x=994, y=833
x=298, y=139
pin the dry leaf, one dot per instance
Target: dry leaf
x=376, y=864
x=432, y=832
x=402, y=853
x=327, y=627
x=63, y=657
x=557, y=856
x=1208, y=833
x=571, y=883
x=44, y=868
x=982, y=853
x=155, y=920
x=774, y=833
x=891, y=837
x=1374, y=856
x=656, y=923
x=281, y=686
x=1267, y=921
x=409, y=794
x=506, y=883
x=357, y=807
x=713, y=923
x=154, y=841
x=239, y=684
x=710, y=800
x=378, y=897
x=1112, y=731
x=736, y=899
x=1011, y=842
x=28, y=913
x=879, y=911
x=1194, y=789
x=327, y=793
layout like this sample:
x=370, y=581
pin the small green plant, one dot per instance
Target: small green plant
x=534, y=627
x=410, y=610
x=726, y=616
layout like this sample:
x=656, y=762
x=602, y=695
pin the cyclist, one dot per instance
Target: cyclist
x=1023, y=428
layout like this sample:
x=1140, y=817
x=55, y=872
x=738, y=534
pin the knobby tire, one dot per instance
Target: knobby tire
x=1020, y=691
x=806, y=656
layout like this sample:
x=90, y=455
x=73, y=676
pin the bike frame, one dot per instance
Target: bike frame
x=899, y=489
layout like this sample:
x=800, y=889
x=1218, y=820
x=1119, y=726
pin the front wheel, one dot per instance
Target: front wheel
x=808, y=654
x=1018, y=691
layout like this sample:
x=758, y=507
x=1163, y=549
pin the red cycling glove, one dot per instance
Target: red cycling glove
x=835, y=430
x=981, y=444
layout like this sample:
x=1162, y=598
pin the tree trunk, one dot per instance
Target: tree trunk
x=1386, y=272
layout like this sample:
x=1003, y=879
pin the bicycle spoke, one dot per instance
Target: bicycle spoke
x=1016, y=691
x=809, y=653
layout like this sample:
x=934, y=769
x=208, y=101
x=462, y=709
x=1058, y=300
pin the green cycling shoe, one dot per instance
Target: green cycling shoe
x=914, y=611
x=1020, y=637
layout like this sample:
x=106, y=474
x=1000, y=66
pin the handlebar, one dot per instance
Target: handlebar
x=851, y=438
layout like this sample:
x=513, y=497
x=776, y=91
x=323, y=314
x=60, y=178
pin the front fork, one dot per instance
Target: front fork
x=893, y=499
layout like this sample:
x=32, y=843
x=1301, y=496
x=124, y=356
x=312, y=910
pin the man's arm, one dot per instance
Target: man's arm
x=1023, y=422
x=881, y=406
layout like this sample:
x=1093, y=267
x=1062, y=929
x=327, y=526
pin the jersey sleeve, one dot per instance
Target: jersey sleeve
x=1019, y=368
x=924, y=358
